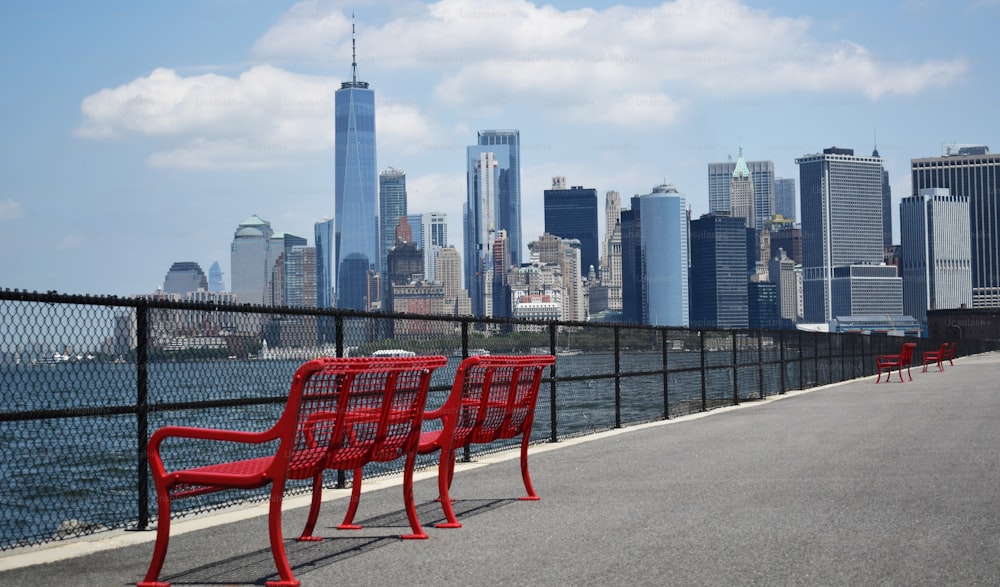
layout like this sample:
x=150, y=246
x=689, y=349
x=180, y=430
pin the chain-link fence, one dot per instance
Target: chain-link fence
x=84, y=381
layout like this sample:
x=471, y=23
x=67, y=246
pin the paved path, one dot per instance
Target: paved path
x=851, y=484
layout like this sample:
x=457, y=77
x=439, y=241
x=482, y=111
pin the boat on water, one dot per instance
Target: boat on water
x=472, y=352
x=568, y=352
x=394, y=353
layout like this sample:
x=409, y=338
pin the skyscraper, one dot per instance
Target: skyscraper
x=433, y=238
x=936, y=252
x=781, y=271
x=215, y=282
x=300, y=277
x=278, y=252
x=392, y=206
x=611, y=255
x=572, y=214
x=664, y=238
x=185, y=277
x=971, y=171
x=508, y=216
x=784, y=197
x=718, y=272
x=355, y=191
x=720, y=177
x=886, y=205
x=741, y=194
x=249, y=260
x=841, y=227
x=483, y=177
x=323, y=234
x=632, y=270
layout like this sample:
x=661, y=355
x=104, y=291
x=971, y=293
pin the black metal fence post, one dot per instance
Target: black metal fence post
x=704, y=381
x=802, y=363
x=666, y=375
x=339, y=341
x=618, y=379
x=760, y=362
x=781, y=356
x=736, y=369
x=142, y=410
x=554, y=435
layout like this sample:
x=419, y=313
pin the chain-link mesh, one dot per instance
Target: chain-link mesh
x=85, y=381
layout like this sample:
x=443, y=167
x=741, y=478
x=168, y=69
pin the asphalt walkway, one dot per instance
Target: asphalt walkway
x=850, y=484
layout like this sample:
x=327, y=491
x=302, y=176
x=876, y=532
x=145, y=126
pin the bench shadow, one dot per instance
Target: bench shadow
x=256, y=567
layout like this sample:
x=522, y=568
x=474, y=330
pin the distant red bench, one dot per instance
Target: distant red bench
x=890, y=362
x=493, y=398
x=341, y=412
x=945, y=353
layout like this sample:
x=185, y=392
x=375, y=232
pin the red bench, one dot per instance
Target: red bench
x=945, y=353
x=890, y=362
x=339, y=411
x=949, y=354
x=493, y=398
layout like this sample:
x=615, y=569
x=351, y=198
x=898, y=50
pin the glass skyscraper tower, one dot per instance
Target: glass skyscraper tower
x=664, y=238
x=509, y=189
x=355, y=191
x=392, y=206
x=492, y=210
x=571, y=213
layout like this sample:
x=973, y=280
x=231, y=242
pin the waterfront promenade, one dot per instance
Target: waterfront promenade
x=848, y=484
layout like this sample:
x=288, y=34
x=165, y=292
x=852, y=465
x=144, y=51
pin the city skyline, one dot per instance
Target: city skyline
x=128, y=147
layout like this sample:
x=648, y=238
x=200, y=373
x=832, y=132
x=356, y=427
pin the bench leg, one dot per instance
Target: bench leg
x=277, y=540
x=352, y=507
x=317, y=498
x=162, y=541
x=446, y=471
x=411, y=508
x=525, y=475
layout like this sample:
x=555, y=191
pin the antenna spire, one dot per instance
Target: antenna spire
x=354, y=52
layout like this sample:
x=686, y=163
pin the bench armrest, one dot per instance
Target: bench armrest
x=215, y=434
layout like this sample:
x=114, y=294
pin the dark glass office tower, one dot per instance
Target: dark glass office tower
x=392, y=206
x=632, y=272
x=572, y=214
x=718, y=272
x=355, y=192
x=971, y=171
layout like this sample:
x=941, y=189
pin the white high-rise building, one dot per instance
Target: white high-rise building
x=433, y=238
x=611, y=251
x=936, y=259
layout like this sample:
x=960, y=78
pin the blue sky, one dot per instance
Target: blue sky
x=135, y=135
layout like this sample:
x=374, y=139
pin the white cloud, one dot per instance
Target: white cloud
x=265, y=117
x=308, y=30
x=578, y=64
x=10, y=210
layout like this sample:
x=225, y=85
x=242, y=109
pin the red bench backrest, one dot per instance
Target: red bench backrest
x=906, y=355
x=348, y=411
x=498, y=395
